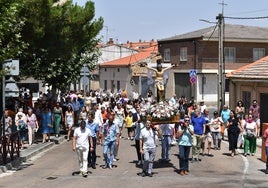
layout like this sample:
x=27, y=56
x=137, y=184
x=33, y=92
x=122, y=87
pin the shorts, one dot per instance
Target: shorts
x=207, y=137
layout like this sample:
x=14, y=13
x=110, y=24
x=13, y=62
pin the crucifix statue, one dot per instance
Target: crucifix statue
x=159, y=80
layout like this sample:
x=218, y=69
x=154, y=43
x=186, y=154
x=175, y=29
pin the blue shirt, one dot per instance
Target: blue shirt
x=225, y=114
x=110, y=132
x=139, y=126
x=76, y=105
x=198, y=123
x=94, y=127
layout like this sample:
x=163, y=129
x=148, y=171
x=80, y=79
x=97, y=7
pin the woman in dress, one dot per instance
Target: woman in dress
x=58, y=116
x=83, y=114
x=47, y=126
x=69, y=121
x=33, y=126
x=119, y=119
x=233, y=132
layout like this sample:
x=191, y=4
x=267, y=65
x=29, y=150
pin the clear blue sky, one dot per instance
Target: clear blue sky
x=131, y=20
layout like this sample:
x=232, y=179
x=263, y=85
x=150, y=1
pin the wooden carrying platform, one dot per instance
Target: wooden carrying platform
x=173, y=119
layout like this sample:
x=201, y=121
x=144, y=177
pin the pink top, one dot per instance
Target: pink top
x=265, y=136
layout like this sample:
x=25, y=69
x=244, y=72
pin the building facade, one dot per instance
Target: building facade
x=250, y=83
x=198, y=52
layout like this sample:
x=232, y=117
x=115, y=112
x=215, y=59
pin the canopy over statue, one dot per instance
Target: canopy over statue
x=159, y=79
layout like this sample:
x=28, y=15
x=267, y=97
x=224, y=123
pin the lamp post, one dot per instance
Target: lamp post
x=3, y=117
x=10, y=67
x=4, y=141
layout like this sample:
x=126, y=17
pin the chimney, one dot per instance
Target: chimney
x=111, y=41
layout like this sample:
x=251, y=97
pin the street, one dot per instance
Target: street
x=54, y=168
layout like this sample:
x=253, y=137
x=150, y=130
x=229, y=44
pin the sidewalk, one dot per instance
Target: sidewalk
x=31, y=151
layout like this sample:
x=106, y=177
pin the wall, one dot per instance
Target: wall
x=123, y=75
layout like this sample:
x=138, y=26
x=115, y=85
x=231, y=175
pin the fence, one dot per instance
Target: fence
x=9, y=147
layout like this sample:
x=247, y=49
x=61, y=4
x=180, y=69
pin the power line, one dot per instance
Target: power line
x=248, y=12
x=246, y=18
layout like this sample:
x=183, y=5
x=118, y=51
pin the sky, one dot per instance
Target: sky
x=134, y=20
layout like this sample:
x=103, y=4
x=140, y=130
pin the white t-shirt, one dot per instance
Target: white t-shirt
x=215, y=124
x=82, y=137
x=148, y=138
x=167, y=129
x=251, y=126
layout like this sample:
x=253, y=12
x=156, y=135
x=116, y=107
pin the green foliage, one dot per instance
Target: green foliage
x=61, y=38
x=11, y=24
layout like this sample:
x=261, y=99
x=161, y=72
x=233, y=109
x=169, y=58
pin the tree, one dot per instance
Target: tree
x=11, y=24
x=62, y=39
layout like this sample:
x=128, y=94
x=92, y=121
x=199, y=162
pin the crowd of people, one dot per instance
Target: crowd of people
x=100, y=118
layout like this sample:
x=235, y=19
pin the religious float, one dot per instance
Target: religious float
x=161, y=113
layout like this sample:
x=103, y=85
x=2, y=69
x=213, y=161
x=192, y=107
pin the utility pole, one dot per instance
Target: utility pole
x=221, y=71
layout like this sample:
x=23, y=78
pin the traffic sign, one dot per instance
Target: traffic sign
x=192, y=72
x=193, y=79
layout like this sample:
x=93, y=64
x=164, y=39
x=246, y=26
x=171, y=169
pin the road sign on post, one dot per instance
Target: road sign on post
x=12, y=67
x=192, y=72
x=193, y=76
x=193, y=79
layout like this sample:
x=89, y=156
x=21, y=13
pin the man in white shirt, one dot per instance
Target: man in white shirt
x=147, y=148
x=81, y=139
x=166, y=141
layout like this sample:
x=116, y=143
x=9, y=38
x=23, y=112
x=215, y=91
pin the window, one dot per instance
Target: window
x=229, y=55
x=105, y=85
x=183, y=54
x=167, y=54
x=118, y=69
x=258, y=53
x=227, y=84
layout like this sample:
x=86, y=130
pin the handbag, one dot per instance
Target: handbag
x=250, y=134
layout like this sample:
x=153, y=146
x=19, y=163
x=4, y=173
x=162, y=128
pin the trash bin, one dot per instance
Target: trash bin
x=263, y=152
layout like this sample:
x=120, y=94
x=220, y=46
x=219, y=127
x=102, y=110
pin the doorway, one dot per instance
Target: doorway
x=263, y=108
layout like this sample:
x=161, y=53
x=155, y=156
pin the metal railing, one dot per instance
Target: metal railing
x=9, y=147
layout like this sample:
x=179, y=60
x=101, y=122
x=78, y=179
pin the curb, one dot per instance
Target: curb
x=30, y=152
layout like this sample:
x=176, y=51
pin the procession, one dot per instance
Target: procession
x=153, y=123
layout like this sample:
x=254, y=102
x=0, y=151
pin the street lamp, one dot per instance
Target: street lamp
x=10, y=67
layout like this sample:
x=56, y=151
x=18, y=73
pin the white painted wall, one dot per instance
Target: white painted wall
x=113, y=52
x=121, y=74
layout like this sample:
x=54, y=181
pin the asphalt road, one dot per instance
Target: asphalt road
x=54, y=168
